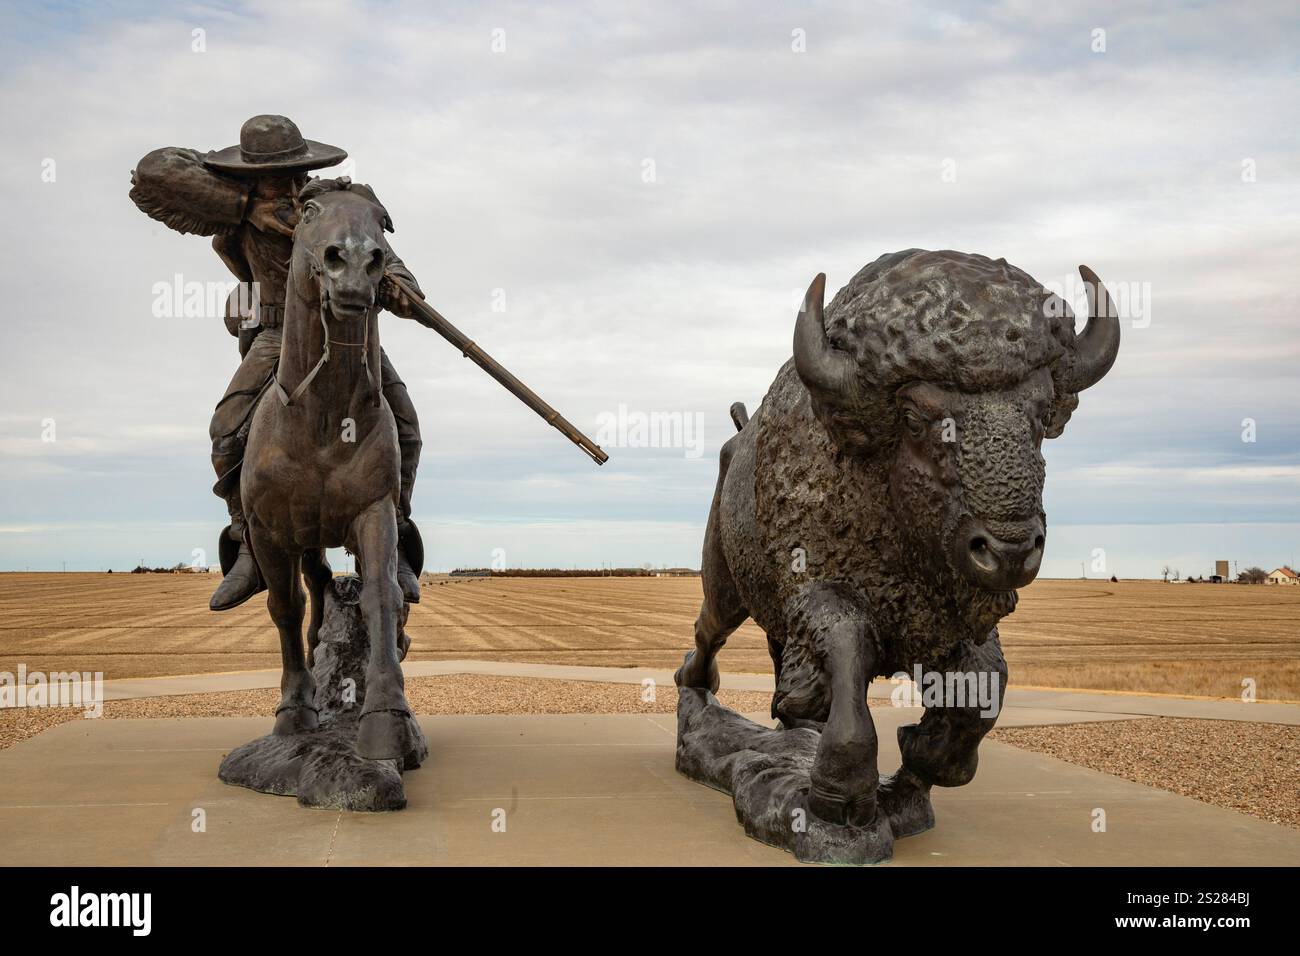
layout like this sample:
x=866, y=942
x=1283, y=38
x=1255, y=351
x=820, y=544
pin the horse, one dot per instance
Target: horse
x=321, y=466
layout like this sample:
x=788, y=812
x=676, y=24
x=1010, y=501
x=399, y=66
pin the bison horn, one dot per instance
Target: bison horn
x=1098, y=344
x=826, y=371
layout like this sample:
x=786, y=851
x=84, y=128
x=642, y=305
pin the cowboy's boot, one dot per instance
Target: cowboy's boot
x=242, y=578
x=408, y=579
x=410, y=549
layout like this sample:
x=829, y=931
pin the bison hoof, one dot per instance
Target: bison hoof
x=860, y=835
x=905, y=800
x=293, y=719
x=691, y=674
x=857, y=811
x=384, y=735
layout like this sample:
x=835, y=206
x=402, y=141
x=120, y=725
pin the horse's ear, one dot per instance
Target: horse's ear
x=387, y=223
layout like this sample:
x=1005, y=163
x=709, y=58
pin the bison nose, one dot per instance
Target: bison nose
x=1003, y=561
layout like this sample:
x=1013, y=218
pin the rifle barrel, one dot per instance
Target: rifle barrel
x=429, y=317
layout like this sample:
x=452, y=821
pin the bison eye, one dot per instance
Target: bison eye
x=914, y=423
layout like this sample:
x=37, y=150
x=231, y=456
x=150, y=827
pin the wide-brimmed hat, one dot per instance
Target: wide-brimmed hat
x=272, y=144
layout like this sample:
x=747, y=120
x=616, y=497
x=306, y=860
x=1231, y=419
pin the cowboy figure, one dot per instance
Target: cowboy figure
x=245, y=197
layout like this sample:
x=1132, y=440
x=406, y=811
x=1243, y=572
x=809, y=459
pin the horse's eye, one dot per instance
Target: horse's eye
x=333, y=257
x=376, y=261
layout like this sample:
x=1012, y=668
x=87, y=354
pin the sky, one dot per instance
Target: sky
x=623, y=204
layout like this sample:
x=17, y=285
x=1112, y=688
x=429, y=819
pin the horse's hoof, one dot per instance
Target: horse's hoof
x=384, y=735
x=295, y=719
x=688, y=675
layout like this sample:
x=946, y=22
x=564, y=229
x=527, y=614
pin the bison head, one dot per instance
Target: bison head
x=948, y=371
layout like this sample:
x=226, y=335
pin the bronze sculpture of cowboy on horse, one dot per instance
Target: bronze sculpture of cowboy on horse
x=315, y=442
x=246, y=198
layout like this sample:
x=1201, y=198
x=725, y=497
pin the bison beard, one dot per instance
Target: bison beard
x=876, y=514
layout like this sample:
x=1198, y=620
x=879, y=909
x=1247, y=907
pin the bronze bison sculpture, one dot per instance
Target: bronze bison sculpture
x=881, y=507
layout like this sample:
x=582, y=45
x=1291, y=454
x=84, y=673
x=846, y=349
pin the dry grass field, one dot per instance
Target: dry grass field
x=1136, y=636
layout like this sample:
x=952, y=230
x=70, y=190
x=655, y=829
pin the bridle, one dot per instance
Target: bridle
x=315, y=271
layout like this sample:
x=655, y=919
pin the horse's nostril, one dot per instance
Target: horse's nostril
x=979, y=545
x=1038, y=543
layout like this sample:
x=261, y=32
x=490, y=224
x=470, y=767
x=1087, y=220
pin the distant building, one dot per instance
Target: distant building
x=1283, y=575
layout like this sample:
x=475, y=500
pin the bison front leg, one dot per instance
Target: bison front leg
x=943, y=749
x=844, y=776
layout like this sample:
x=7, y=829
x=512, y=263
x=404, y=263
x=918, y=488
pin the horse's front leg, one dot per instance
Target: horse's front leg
x=318, y=573
x=296, y=712
x=385, y=715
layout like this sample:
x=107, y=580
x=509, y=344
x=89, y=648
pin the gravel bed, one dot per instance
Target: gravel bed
x=1250, y=767
x=450, y=694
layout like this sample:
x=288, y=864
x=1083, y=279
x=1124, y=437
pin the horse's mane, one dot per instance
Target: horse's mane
x=317, y=187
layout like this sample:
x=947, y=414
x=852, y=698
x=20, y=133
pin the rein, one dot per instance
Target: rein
x=285, y=398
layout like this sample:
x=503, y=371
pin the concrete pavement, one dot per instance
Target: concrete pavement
x=572, y=789
x=581, y=789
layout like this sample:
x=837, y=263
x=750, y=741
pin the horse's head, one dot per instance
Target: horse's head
x=339, y=243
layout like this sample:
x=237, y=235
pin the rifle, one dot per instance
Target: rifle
x=429, y=317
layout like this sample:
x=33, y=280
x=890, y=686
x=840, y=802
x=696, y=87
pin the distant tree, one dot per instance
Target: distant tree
x=1175, y=574
x=1164, y=572
x=1253, y=576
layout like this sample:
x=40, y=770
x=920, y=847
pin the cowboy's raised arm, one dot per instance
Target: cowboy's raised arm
x=173, y=186
x=392, y=298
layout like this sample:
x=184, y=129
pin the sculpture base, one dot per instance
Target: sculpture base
x=766, y=772
x=322, y=768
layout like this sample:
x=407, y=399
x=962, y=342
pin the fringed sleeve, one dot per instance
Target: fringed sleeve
x=173, y=186
x=398, y=268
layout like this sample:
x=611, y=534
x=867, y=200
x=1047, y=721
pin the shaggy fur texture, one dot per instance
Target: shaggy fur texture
x=962, y=320
x=812, y=485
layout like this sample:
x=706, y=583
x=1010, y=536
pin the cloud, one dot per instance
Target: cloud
x=523, y=174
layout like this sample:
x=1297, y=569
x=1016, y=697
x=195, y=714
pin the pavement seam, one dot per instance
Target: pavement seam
x=329, y=854
x=670, y=733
